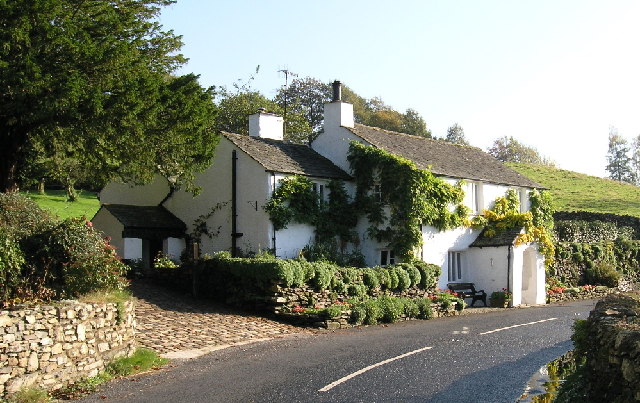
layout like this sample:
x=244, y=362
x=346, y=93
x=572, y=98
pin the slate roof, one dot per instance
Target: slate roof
x=442, y=158
x=281, y=156
x=147, y=221
x=505, y=238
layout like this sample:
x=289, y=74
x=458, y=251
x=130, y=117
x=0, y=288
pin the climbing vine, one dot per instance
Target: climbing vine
x=537, y=223
x=390, y=185
x=296, y=201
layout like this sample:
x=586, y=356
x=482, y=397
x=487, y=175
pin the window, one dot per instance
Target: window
x=455, y=266
x=377, y=193
x=319, y=189
x=524, y=200
x=477, y=202
x=387, y=257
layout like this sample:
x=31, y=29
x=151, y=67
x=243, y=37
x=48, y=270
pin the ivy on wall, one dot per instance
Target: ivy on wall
x=296, y=201
x=411, y=196
x=537, y=223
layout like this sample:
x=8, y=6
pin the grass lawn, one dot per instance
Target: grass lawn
x=56, y=202
x=574, y=191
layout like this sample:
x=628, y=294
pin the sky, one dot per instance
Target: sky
x=555, y=75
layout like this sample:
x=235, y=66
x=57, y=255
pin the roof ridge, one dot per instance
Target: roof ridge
x=436, y=140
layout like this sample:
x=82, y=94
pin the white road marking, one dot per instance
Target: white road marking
x=363, y=370
x=465, y=330
x=523, y=324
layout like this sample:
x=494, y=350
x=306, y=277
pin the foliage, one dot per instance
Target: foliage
x=537, y=223
x=44, y=258
x=602, y=273
x=413, y=196
x=591, y=231
x=576, y=262
x=501, y=296
x=296, y=201
x=618, y=159
x=306, y=96
x=572, y=191
x=92, y=82
x=163, y=260
x=390, y=309
x=508, y=149
x=29, y=395
x=455, y=135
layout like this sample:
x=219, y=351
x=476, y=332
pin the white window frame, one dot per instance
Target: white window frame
x=319, y=189
x=523, y=198
x=455, y=266
x=387, y=257
x=377, y=192
x=476, y=197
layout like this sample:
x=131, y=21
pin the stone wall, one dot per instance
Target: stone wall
x=613, y=349
x=578, y=293
x=51, y=346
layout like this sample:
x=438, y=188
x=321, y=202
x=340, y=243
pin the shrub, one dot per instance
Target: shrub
x=602, y=273
x=424, y=308
x=393, y=278
x=334, y=311
x=372, y=312
x=358, y=313
x=370, y=278
x=322, y=277
x=11, y=262
x=391, y=309
x=411, y=309
x=21, y=216
x=404, y=281
x=429, y=274
x=383, y=276
x=338, y=285
x=356, y=290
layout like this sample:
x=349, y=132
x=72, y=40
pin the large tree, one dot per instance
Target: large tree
x=91, y=78
x=455, y=135
x=618, y=160
x=508, y=149
x=305, y=97
x=635, y=159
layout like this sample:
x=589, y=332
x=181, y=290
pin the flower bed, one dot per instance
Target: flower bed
x=560, y=294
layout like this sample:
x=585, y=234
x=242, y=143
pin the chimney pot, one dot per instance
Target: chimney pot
x=337, y=91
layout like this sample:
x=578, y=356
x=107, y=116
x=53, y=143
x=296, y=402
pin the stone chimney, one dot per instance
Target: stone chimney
x=266, y=125
x=336, y=112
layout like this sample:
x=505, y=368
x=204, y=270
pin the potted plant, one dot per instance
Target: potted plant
x=500, y=299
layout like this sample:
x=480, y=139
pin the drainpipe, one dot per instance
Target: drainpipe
x=234, y=208
x=273, y=190
x=509, y=268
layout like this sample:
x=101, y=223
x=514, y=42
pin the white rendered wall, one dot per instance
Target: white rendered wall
x=132, y=248
x=291, y=240
x=110, y=226
x=488, y=268
x=253, y=190
x=173, y=248
x=333, y=143
x=144, y=195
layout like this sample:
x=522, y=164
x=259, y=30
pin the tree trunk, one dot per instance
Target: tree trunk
x=41, y=186
x=9, y=163
x=71, y=193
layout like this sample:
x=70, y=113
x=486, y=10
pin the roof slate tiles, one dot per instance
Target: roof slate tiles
x=280, y=156
x=504, y=238
x=442, y=158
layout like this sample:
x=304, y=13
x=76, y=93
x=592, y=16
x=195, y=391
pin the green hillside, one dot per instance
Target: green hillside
x=575, y=191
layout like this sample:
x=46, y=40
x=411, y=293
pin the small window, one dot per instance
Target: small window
x=476, y=198
x=455, y=266
x=377, y=193
x=387, y=257
x=319, y=189
x=524, y=200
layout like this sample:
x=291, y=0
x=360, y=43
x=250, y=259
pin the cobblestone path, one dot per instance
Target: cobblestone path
x=179, y=326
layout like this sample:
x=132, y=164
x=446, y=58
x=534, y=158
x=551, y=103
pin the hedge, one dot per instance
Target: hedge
x=619, y=220
x=222, y=276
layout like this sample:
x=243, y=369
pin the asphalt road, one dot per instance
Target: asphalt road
x=476, y=358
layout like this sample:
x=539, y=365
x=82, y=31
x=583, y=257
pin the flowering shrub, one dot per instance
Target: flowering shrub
x=42, y=258
x=162, y=260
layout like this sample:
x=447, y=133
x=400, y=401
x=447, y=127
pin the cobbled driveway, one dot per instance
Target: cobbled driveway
x=179, y=326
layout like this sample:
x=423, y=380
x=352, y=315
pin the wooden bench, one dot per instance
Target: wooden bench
x=468, y=290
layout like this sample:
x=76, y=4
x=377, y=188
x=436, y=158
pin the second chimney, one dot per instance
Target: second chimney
x=266, y=125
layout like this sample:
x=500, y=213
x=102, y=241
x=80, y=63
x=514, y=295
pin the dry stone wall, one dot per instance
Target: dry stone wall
x=613, y=350
x=51, y=346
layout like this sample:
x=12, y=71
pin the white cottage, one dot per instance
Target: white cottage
x=229, y=213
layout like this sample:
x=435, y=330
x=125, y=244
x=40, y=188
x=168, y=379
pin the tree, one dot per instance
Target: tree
x=413, y=123
x=635, y=159
x=455, y=135
x=618, y=160
x=508, y=149
x=235, y=108
x=90, y=78
x=306, y=97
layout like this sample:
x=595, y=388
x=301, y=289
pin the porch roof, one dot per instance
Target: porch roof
x=504, y=238
x=147, y=222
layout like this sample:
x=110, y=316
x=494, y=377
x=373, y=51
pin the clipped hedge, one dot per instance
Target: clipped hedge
x=235, y=279
x=599, y=263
